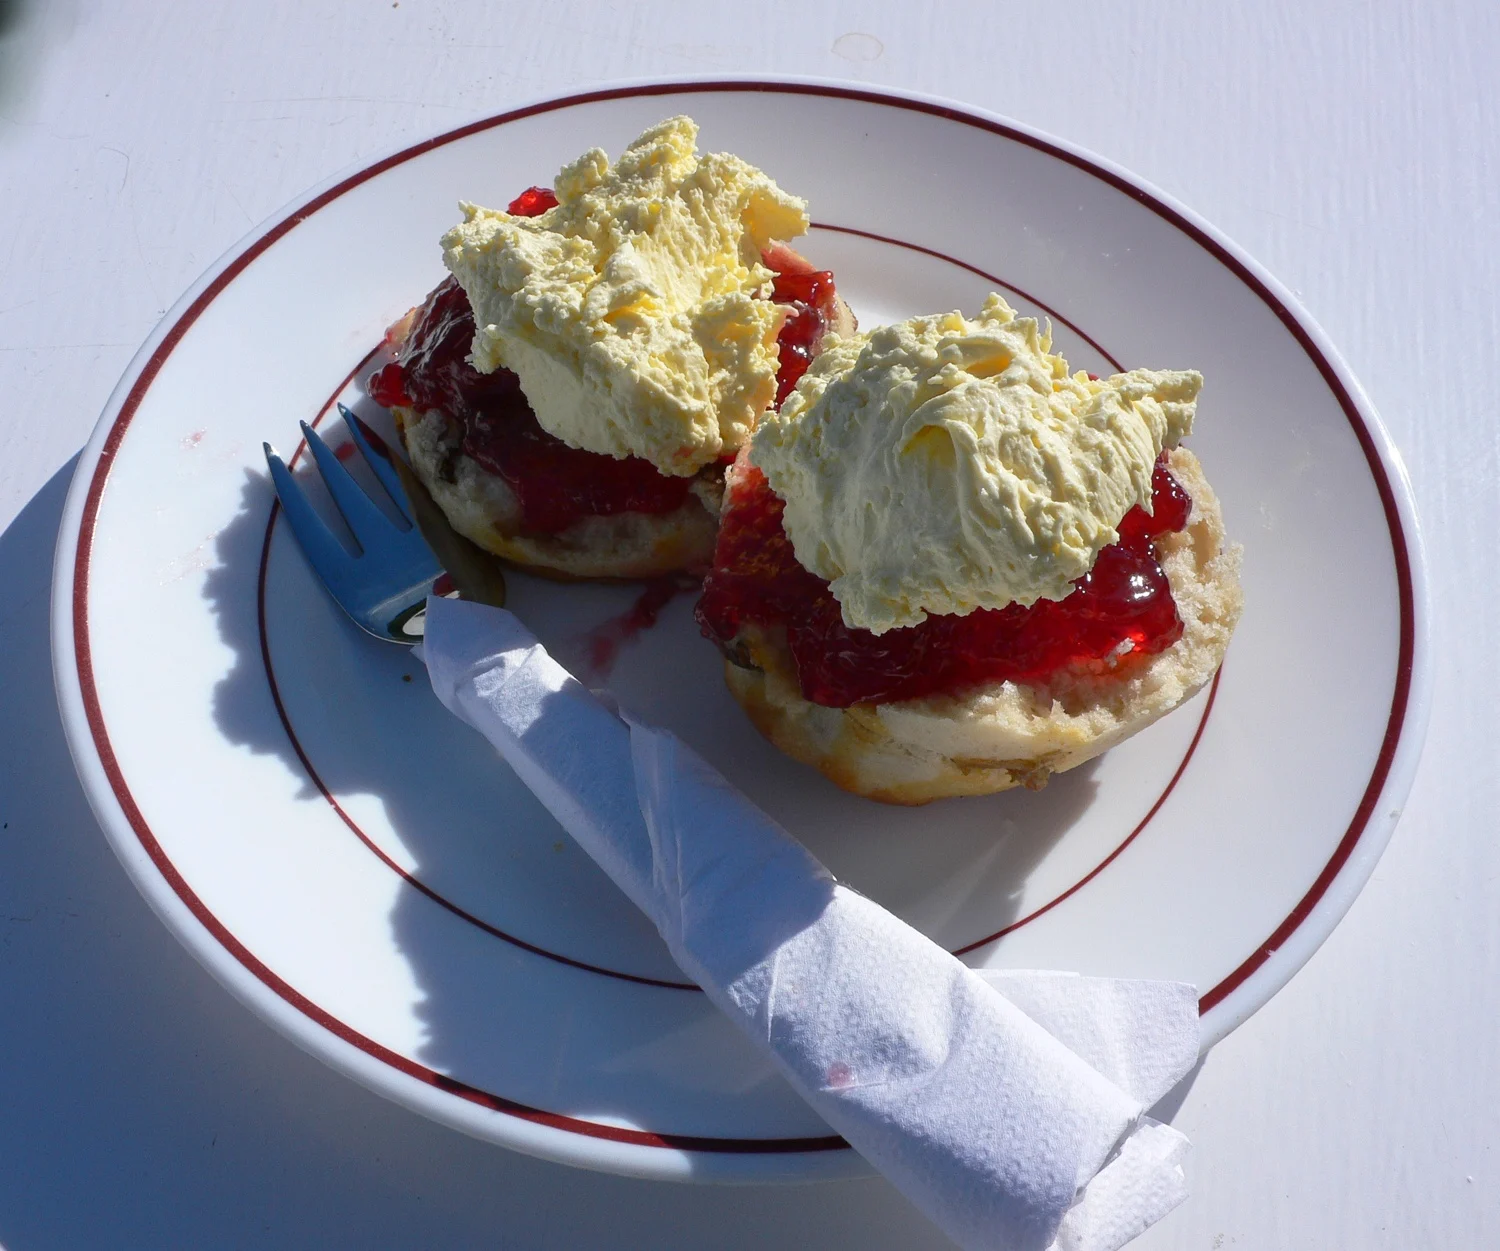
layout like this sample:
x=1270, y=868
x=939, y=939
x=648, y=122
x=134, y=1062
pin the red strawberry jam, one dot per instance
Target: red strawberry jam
x=556, y=484
x=809, y=296
x=532, y=202
x=756, y=579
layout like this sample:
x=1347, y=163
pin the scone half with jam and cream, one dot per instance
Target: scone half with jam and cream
x=571, y=394
x=948, y=566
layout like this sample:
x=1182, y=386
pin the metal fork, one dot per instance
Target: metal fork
x=384, y=586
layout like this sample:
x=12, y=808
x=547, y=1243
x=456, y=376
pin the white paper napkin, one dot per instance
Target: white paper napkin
x=1007, y=1106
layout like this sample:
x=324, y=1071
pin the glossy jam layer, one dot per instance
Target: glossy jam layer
x=556, y=484
x=809, y=296
x=1124, y=599
x=532, y=202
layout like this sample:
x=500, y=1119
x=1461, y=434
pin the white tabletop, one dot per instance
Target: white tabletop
x=1354, y=149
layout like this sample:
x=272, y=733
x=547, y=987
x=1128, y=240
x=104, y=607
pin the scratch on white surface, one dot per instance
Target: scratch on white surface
x=416, y=104
x=61, y=347
x=229, y=191
x=710, y=53
x=10, y=255
x=124, y=177
x=140, y=248
x=1295, y=221
x=199, y=560
x=50, y=131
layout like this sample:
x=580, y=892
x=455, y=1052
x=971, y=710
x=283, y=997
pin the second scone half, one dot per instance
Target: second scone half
x=949, y=567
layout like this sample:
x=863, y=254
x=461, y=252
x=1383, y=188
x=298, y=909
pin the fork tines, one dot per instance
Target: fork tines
x=394, y=567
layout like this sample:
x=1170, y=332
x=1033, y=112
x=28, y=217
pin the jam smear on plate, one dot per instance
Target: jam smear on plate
x=557, y=484
x=1124, y=603
x=607, y=639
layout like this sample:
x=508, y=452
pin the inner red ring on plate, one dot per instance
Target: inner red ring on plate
x=83, y=656
x=505, y=936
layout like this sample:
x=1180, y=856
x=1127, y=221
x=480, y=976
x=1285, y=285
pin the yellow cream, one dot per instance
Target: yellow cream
x=942, y=465
x=630, y=311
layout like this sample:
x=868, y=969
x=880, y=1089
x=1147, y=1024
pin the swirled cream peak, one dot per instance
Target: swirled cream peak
x=630, y=311
x=942, y=465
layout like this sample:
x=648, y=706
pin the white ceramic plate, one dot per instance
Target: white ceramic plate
x=359, y=869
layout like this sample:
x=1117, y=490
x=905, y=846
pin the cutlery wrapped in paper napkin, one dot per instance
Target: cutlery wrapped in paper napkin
x=1007, y=1106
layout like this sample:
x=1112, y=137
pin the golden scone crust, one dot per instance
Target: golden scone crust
x=1005, y=735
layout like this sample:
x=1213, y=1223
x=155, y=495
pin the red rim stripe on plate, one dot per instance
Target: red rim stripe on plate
x=988, y=277
x=110, y=449
x=1208, y=707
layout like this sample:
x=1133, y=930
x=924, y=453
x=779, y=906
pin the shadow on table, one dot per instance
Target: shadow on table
x=22, y=48
x=1170, y=1104
x=140, y=1105
x=12, y=14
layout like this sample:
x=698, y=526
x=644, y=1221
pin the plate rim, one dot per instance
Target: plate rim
x=636, y=1153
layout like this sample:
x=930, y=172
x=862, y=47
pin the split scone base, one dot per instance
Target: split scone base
x=482, y=507
x=1004, y=735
